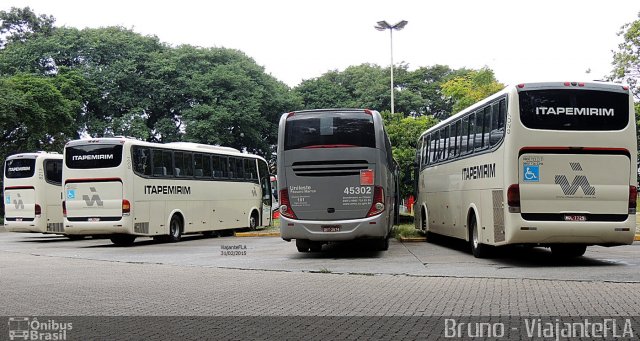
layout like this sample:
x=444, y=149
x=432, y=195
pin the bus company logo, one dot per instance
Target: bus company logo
x=95, y=198
x=92, y=157
x=24, y=328
x=569, y=111
x=19, y=169
x=579, y=181
x=19, y=205
x=479, y=172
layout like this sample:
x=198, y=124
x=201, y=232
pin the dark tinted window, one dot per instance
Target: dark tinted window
x=162, y=162
x=53, y=171
x=93, y=156
x=183, y=164
x=202, y=165
x=574, y=109
x=250, y=169
x=20, y=168
x=329, y=130
x=142, y=160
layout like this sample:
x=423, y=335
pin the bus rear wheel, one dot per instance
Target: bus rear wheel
x=303, y=245
x=568, y=250
x=175, y=229
x=253, y=221
x=123, y=239
x=478, y=249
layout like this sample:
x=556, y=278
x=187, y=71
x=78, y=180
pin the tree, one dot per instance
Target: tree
x=20, y=24
x=404, y=133
x=470, y=88
x=35, y=114
x=626, y=62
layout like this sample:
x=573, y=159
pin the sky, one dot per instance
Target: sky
x=295, y=40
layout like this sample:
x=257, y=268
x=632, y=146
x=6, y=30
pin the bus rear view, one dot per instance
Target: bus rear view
x=336, y=178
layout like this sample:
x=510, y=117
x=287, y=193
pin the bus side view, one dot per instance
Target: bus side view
x=126, y=188
x=541, y=164
x=33, y=193
x=336, y=178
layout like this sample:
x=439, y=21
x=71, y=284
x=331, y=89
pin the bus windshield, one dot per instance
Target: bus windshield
x=93, y=156
x=330, y=130
x=562, y=109
x=20, y=168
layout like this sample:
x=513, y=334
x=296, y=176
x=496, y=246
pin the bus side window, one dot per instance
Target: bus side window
x=486, y=129
x=167, y=162
x=179, y=164
x=464, y=138
x=201, y=161
x=458, y=138
x=444, y=148
x=53, y=171
x=206, y=166
x=436, y=152
x=188, y=164
x=239, y=168
x=496, y=130
x=453, y=135
x=250, y=170
x=142, y=160
x=472, y=129
x=477, y=131
x=159, y=166
x=425, y=157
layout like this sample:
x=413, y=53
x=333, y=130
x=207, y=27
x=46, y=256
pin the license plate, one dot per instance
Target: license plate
x=94, y=219
x=574, y=217
x=331, y=228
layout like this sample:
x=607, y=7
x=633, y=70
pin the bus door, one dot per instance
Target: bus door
x=265, y=184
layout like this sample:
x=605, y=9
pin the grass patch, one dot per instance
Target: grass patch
x=406, y=231
x=323, y=270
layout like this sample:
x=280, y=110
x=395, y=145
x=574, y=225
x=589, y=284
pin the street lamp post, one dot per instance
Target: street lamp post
x=381, y=26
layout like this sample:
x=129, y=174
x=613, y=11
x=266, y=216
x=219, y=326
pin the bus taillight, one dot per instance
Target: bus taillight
x=64, y=208
x=513, y=198
x=38, y=210
x=126, y=207
x=285, y=205
x=377, y=206
x=633, y=196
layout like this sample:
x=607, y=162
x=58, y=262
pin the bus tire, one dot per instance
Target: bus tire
x=478, y=249
x=315, y=246
x=123, y=239
x=382, y=244
x=175, y=229
x=568, y=250
x=302, y=245
x=253, y=221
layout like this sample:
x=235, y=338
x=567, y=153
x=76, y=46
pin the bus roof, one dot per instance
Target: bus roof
x=187, y=146
x=34, y=155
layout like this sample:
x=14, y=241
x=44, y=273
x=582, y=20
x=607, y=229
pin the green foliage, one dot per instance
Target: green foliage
x=20, y=24
x=626, y=63
x=470, y=88
x=34, y=113
x=404, y=133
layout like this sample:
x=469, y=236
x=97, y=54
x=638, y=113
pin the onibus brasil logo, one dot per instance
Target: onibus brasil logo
x=25, y=328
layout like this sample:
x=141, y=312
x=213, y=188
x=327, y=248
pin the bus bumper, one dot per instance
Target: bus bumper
x=557, y=232
x=96, y=228
x=373, y=227
x=35, y=226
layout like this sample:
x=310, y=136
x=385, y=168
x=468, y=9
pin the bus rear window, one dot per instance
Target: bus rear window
x=93, y=156
x=329, y=130
x=20, y=168
x=574, y=109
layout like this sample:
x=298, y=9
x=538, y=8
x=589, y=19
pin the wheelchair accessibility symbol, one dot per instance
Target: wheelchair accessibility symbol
x=531, y=173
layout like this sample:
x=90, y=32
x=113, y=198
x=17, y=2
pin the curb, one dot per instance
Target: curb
x=412, y=239
x=637, y=238
x=257, y=234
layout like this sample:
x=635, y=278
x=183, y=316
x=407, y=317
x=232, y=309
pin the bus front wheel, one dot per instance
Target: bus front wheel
x=478, y=249
x=175, y=229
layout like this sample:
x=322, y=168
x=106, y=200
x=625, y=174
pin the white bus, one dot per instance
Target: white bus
x=33, y=193
x=128, y=188
x=337, y=178
x=542, y=164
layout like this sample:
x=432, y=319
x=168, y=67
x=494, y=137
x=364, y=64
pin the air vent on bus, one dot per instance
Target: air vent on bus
x=55, y=227
x=329, y=168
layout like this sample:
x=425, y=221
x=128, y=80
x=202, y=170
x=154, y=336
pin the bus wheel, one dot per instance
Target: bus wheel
x=315, y=246
x=175, y=229
x=123, y=239
x=381, y=244
x=74, y=237
x=478, y=249
x=253, y=221
x=303, y=245
x=568, y=250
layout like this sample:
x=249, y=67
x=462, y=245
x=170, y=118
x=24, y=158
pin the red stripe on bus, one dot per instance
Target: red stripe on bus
x=92, y=180
x=19, y=187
